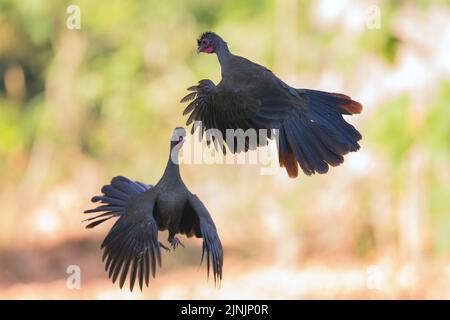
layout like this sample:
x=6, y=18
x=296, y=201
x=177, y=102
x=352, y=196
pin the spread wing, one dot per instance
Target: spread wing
x=131, y=247
x=221, y=107
x=197, y=221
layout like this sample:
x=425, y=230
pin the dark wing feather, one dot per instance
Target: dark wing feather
x=131, y=248
x=197, y=221
x=115, y=198
x=218, y=107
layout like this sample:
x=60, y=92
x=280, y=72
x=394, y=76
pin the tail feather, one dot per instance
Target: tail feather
x=303, y=146
x=329, y=116
x=287, y=157
x=115, y=199
x=317, y=134
x=344, y=102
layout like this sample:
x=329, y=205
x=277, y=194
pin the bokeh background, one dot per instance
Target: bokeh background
x=80, y=106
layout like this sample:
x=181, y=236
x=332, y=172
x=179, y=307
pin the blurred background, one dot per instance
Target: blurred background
x=78, y=106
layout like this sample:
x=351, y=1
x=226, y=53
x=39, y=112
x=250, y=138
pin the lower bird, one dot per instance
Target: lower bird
x=132, y=247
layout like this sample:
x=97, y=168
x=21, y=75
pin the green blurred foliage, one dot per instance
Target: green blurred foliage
x=391, y=130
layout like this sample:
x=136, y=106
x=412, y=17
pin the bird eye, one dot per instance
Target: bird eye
x=205, y=42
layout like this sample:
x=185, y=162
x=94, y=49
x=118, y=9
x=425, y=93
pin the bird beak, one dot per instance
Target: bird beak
x=205, y=49
x=201, y=48
x=180, y=144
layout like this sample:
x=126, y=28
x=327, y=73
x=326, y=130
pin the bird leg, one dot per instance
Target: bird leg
x=174, y=242
x=164, y=247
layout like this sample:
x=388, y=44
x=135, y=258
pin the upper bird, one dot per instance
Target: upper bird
x=311, y=129
x=132, y=246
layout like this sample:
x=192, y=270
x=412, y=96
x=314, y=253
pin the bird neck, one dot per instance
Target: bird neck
x=222, y=51
x=172, y=171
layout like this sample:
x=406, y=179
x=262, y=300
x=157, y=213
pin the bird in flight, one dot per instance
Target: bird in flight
x=309, y=125
x=132, y=247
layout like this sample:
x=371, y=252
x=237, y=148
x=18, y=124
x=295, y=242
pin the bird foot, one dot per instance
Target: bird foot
x=164, y=247
x=175, y=242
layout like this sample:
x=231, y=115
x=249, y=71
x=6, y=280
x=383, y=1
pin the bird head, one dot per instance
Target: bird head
x=178, y=138
x=209, y=42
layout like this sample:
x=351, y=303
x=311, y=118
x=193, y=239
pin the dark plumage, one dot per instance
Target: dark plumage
x=312, y=130
x=131, y=248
